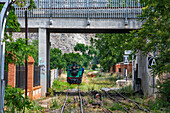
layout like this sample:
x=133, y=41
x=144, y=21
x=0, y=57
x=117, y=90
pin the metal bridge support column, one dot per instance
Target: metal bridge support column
x=43, y=59
x=48, y=60
x=3, y=18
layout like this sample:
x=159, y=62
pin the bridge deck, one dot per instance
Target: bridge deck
x=83, y=9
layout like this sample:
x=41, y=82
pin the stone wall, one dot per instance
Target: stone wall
x=63, y=41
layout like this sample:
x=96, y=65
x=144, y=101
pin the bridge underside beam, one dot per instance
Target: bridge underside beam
x=89, y=30
x=61, y=30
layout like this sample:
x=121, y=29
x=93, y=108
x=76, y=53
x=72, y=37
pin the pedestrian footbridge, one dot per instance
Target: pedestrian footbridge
x=77, y=16
x=83, y=15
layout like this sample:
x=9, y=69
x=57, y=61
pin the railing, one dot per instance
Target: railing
x=36, y=76
x=83, y=9
x=20, y=76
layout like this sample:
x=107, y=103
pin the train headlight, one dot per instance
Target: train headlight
x=74, y=67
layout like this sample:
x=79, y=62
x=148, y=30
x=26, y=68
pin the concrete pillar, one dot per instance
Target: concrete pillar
x=146, y=78
x=43, y=59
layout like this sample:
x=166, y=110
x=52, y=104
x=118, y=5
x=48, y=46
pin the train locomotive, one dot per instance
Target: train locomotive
x=74, y=73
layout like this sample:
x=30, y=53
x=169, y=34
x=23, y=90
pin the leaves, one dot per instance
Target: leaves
x=17, y=50
x=57, y=59
x=14, y=100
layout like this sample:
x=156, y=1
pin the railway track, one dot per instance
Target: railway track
x=129, y=105
x=79, y=96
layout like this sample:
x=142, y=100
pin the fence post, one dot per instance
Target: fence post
x=30, y=76
x=11, y=74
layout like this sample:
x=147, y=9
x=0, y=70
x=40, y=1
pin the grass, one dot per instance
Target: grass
x=127, y=89
x=55, y=104
x=36, y=108
x=88, y=84
x=62, y=85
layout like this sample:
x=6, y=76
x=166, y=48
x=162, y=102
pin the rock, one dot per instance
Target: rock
x=123, y=82
x=63, y=41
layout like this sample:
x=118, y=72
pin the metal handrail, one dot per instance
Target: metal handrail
x=84, y=9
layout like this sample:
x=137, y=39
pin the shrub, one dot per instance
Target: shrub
x=94, y=66
x=15, y=101
x=164, y=91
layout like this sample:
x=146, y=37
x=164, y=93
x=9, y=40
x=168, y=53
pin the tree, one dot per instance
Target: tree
x=34, y=44
x=57, y=59
x=111, y=48
x=16, y=50
x=73, y=57
x=81, y=47
x=13, y=24
x=154, y=35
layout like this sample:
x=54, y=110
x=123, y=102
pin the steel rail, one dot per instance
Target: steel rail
x=106, y=110
x=65, y=101
x=125, y=108
x=130, y=100
x=81, y=104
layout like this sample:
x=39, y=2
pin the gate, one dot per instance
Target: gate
x=20, y=76
x=36, y=76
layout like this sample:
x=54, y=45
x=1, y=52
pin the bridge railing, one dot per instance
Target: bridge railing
x=83, y=9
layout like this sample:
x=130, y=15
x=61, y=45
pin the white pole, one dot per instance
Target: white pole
x=3, y=18
x=133, y=85
x=126, y=74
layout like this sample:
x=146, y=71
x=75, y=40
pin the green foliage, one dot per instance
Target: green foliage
x=81, y=47
x=158, y=104
x=55, y=104
x=94, y=66
x=73, y=57
x=111, y=48
x=116, y=106
x=154, y=35
x=88, y=54
x=14, y=100
x=164, y=91
x=34, y=44
x=35, y=107
x=13, y=24
x=61, y=86
x=57, y=59
x=127, y=89
x=17, y=50
x=50, y=90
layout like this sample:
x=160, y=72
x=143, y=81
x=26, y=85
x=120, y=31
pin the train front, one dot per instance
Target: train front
x=74, y=74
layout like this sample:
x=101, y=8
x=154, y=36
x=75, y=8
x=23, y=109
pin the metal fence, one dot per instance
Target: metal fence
x=20, y=76
x=36, y=76
x=83, y=9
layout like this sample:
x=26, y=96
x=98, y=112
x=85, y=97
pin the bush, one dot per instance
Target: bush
x=94, y=66
x=14, y=100
x=164, y=91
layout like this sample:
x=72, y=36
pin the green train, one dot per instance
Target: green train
x=74, y=73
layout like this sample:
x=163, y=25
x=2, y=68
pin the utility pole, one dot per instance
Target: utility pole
x=26, y=37
x=3, y=18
